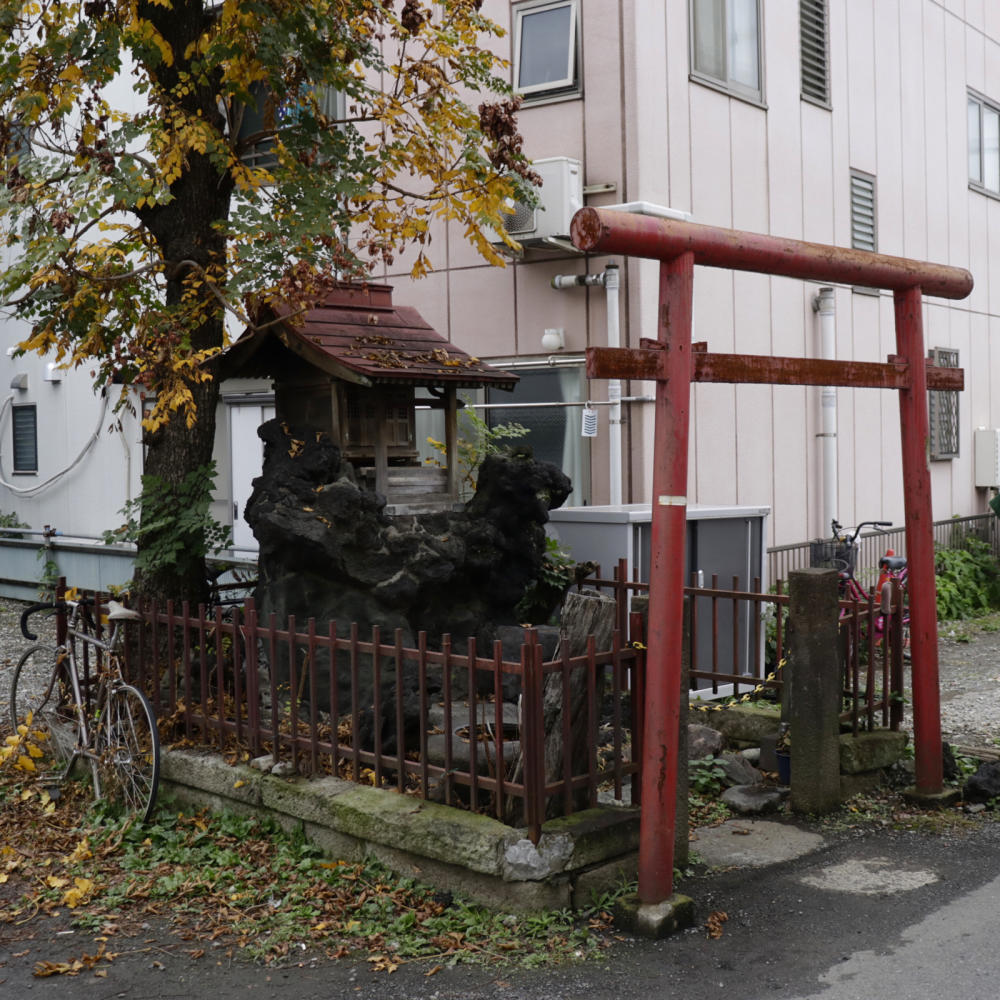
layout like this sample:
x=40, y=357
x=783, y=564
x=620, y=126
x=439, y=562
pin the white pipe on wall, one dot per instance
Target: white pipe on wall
x=610, y=280
x=823, y=304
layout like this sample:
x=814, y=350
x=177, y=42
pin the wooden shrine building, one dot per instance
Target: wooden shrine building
x=350, y=367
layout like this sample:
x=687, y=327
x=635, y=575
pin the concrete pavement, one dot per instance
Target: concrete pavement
x=906, y=915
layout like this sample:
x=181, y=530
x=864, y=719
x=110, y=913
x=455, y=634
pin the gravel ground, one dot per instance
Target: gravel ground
x=969, y=664
x=12, y=644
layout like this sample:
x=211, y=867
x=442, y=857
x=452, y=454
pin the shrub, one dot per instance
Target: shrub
x=968, y=580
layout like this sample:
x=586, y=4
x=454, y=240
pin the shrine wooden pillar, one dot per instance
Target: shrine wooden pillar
x=673, y=362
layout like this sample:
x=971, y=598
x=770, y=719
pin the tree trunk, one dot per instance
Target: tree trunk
x=190, y=244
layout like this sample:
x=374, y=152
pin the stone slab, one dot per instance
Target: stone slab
x=752, y=843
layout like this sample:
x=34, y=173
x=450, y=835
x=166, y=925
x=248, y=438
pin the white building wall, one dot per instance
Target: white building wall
x=900, y=71
x=899, y=79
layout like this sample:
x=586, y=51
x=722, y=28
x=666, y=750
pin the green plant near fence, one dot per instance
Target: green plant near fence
x=10, y=521
x=968, y=580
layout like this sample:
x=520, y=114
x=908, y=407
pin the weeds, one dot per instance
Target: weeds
x=242, y=882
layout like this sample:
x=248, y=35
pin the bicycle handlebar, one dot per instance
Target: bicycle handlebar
x=837, y=528
x=86, y=602
x=33, y=609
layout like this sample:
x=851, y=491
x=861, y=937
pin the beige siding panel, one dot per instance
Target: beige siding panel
x=975, y=44
x=754, y=444
x=482, y=312
x=792, y=468
x=956, y=140
x=938, y=152
x=750, y=165
x=975, y=12
x=715, y=436
x=818, y=180
x=783, y=134
x=885, y=52
x=856, y=59
x=679, y=108
x=711, y=158
x=540, y=306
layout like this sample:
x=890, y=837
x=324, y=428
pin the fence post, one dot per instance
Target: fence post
x=813, y=690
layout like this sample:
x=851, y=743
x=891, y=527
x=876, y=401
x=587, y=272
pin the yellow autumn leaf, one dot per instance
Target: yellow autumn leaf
x=34, y=751
x=81, y=852
x=25, y=763
x=80, y=893
x=239, y=784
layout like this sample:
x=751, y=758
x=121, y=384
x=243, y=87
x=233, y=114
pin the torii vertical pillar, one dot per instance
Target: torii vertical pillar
x=915, y=432
x=666, y=581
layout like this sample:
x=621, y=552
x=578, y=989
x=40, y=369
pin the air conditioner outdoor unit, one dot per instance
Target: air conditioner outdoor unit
x=559, y=198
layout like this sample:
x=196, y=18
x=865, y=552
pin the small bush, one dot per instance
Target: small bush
x=968, y=580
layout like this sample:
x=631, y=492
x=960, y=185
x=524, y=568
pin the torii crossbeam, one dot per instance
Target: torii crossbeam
x=674, y=363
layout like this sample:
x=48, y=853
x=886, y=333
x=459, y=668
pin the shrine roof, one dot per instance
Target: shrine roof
x=358, y=335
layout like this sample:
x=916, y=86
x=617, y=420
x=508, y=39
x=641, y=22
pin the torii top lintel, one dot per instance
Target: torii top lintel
x=610, y=231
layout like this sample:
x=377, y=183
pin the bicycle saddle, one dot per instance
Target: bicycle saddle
x=894, y=563
x=118, y=613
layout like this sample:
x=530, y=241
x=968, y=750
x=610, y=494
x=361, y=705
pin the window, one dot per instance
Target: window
x=258, y=121
x=24, y=423
x=943, y=410
x=864, y=231
x=546, y=49
x=984, y=144
x=16, y=146
x=815, y=51
x=726, y=46
x=553, y=431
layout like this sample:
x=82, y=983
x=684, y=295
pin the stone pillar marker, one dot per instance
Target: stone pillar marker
x=812, y=679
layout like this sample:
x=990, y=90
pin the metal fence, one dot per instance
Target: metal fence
x=523, y=740
x=951, y=534
x=454, y=724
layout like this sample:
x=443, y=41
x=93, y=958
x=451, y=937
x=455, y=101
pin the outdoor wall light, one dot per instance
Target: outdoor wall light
x=554, y=339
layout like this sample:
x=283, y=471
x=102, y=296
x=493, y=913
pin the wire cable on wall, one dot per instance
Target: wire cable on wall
x=38, y=487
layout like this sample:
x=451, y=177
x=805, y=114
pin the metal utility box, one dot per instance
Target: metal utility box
x=727, y=542
x=987, y=457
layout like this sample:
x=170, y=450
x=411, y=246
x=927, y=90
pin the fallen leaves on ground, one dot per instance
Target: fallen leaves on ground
x=223, y=883
x=713, y=925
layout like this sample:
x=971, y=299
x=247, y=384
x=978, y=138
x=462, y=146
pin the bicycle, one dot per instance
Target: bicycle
x=91, y=714
x=840, y=553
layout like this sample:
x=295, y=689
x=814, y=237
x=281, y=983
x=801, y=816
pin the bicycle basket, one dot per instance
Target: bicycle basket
x=831, y=554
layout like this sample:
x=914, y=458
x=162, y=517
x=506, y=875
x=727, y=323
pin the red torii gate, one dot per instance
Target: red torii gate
x=674, y=362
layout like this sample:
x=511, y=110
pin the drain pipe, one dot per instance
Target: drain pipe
x=823, y=304
x=610, y=280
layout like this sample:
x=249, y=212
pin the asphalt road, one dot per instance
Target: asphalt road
x=910, y=916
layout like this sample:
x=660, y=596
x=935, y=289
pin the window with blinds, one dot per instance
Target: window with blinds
x=25, y=425
x=943, y=410
x=814, y=48
x=864, y=233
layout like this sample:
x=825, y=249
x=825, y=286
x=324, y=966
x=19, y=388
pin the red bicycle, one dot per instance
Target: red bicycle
x=840, y=553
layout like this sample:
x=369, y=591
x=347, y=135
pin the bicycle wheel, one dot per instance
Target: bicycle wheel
x=41, y=699
x=128, y=751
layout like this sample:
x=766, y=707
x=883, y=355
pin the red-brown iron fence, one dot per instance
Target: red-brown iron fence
x=521, y=739
x=454, y=723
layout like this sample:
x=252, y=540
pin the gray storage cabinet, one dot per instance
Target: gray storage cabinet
x=730, y=542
